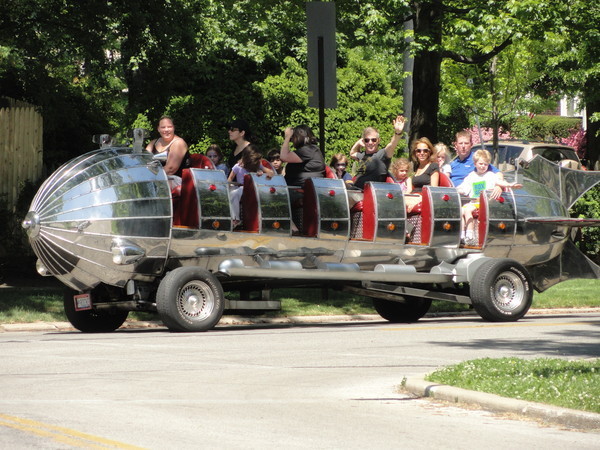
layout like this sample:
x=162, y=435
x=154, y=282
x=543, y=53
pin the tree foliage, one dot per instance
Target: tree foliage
x=97, y=66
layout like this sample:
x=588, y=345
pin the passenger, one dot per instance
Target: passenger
x=275, y=159
x=426, y=169
x=463, y=164
x=400, y=169
x=240, y=134
x=306, y=161
x=374, y=163
x=250, y=162
x=443, y=158
x=178, y=156
x=216, y=156
x=476, y=182
x=338, y=164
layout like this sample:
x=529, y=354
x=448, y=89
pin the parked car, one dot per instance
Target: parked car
x=509, y=151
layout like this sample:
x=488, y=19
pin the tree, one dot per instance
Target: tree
x=571, y=63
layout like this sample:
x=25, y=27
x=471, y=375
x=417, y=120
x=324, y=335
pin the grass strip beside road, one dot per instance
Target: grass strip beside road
x=26, y=305
x=568, y=384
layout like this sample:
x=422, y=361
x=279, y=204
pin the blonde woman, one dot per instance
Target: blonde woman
x=426, y=168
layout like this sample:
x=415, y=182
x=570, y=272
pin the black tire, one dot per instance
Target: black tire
x=93, y=321
x=501, y=290
x=410, y=310
x=190, y=299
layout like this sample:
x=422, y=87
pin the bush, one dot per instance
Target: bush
x=364, y=99
x=588, y=239
x=16, y=255
x=544, y=128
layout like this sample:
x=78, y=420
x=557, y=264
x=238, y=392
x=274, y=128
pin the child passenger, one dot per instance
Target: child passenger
x=400, y=168
x=274, y=158
x=250, y=162
x=481, y=179
x=338, y=164
x=215, y=154
x=443, y=157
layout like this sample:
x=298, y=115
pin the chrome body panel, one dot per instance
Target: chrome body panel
x=326, y=212
x=446, y=212
x=384, y=213
x=214, y=203
x=273, y=204
x=92, y=200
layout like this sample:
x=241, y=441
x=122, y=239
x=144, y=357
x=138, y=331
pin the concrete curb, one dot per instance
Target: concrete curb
x=571, y=418
x=242, y=320
x=225, y=321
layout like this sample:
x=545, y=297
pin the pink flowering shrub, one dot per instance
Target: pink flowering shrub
x=488, y=134
x=577, y=140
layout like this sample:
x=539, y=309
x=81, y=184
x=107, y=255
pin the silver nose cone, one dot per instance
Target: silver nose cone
x=99, y=198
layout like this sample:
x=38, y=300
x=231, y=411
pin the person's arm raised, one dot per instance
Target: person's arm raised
x=390, y=149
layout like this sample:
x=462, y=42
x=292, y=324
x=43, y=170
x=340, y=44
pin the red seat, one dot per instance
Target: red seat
x=186, y=213
x=310, y=217
x=200, y=161
x=268, y=165
x=445, y=180
x=329, y=173
x=249, y=204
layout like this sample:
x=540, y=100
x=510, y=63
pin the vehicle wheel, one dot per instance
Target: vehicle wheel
x=501, y=290
x=92, y=321
x=411, y=310
x=190, y=299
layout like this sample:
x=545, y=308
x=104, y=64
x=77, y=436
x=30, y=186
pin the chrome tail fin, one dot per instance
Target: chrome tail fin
x=568, y=184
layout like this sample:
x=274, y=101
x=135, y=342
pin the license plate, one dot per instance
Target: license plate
x=82, y=302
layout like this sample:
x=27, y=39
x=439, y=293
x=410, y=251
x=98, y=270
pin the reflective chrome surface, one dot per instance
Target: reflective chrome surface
x=384, y=213
x=330, y=206
x=446, y=209
x=90, y=201
x=106, y=217
x=273, y=202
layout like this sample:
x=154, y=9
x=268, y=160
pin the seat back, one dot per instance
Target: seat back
x=267, y=164
x=266, y=205
x=204, y=201
x=329, y=173
x=200, y=161
x=445, y=180
x=384, y=213
x=326, y=213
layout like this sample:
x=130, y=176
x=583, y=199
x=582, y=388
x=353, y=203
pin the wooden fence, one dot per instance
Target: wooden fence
x=21, y=151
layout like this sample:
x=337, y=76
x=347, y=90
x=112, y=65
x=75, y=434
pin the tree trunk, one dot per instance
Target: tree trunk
x=426, y=74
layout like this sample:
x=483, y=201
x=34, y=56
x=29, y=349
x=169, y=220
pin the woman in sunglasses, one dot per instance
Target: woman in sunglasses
x=241, y=136
x=426, y=169
x=373, y=162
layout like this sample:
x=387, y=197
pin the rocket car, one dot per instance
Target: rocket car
x=108, y=226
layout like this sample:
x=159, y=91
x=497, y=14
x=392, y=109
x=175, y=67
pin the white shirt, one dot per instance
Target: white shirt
x=474, y=183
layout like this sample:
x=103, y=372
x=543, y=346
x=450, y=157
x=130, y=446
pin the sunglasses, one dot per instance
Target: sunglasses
x=421, y=150
x=340, y=165
x=367, y=140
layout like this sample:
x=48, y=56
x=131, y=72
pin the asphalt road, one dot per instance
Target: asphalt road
x=330, y=385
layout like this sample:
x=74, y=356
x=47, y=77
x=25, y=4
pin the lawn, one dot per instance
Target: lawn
x=46, y=304
x=568, y=384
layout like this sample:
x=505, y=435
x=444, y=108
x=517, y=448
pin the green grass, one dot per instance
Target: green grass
x=568, y=384
x=19, y=305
